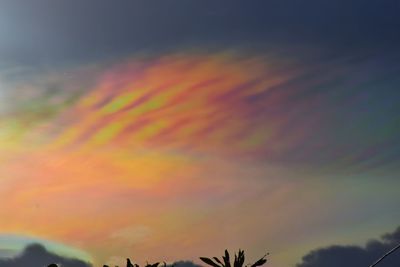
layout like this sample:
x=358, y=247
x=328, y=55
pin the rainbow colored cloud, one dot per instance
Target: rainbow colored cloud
x=164, y=150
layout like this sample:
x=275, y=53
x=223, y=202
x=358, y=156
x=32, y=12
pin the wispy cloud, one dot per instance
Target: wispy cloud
x=183, y=143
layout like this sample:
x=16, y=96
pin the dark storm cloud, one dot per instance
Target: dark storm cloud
x=44, y=30
x=37, y=255
x=351, y=256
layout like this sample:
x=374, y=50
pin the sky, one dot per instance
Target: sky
x=170, y=130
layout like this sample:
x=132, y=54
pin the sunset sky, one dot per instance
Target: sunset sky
x=169, y=130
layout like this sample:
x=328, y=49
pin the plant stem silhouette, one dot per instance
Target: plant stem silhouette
x=384, y=256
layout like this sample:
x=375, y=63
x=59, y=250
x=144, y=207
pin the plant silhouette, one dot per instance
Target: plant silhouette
x=238, y=262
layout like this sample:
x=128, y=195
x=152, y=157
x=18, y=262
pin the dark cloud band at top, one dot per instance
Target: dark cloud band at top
x=47, y=31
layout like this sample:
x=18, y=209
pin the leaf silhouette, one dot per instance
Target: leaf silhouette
x=260, y=261
x=236, y=262
x=226, y=259
x=241, y=258
x=217, y=260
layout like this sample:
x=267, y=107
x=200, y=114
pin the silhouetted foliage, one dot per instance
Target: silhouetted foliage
x=238, y=262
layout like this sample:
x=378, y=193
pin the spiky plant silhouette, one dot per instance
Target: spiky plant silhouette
x=238, y=262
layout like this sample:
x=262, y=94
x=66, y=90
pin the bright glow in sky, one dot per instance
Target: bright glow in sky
x=182, y=155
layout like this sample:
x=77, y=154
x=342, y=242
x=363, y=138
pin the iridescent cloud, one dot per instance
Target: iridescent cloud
x=157, y=153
